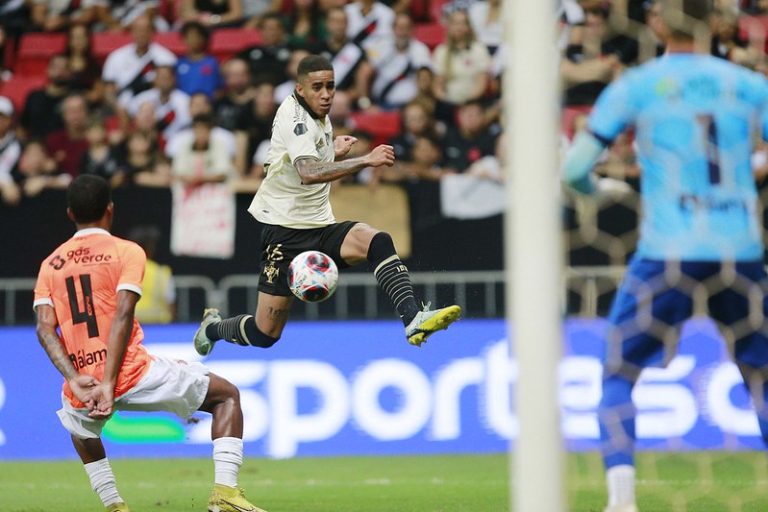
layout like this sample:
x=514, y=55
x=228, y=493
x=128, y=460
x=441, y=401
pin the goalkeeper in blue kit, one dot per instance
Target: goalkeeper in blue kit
x=700, y=242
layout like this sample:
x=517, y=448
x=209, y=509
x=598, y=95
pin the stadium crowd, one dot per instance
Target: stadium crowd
x=107, y=97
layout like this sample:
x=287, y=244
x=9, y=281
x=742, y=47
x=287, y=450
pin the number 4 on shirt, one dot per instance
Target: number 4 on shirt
x=88, y=313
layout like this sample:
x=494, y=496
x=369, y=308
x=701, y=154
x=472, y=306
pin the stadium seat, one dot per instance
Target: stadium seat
x=172, y=41
x=431, y=34
x=569, y=116
x=226, y=42
x=18, y=88
x=436, y=9
x=754, y=28
x=381, y=125
x=104, y=43
x=35, y=49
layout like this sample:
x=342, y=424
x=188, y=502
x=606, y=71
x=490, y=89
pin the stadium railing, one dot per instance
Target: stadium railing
x=479, y=293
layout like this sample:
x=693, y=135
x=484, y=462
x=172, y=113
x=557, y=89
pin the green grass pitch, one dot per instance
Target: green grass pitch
x=701, y=482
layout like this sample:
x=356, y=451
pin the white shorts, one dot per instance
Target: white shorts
x=168, y=385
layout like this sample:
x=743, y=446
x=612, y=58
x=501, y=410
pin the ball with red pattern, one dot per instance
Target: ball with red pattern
x=313, y=276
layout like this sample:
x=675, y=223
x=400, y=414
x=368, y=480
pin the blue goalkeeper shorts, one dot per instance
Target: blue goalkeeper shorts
x=656, y=297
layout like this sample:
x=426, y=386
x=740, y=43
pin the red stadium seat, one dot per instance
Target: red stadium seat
x=431, y=34
x=381, y=125
x=18, y=88
x=754, y=28
x=226, y=42
x=569, y=116
x=104, y=43
x=436, y=9
x=35, y=49
x=172, y=41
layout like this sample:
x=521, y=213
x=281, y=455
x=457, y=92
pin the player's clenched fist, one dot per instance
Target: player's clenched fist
x=381, y=155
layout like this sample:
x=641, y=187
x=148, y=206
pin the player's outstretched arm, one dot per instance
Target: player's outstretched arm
x=46, y=333
x=119, y=335
x=580, y=160
x=313, y=171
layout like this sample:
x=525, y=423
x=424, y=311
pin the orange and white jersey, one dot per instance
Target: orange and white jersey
x=80, y=279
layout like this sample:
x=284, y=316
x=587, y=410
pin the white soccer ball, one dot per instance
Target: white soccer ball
x=313, y=276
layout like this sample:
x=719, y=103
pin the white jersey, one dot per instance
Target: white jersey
x=172, y=116
x=282, y=199
x=395, y=82
x=132, y=73
x=363, y=27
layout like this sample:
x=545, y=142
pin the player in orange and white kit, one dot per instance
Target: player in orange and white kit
x=88, y=288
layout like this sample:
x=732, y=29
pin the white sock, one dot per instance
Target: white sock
x=227, y=459
x=103, y=481
x=621, y=484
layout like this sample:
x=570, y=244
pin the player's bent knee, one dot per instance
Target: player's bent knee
x=220, y=390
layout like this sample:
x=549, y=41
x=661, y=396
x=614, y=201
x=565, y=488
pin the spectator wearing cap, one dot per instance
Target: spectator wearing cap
x=42, y=109
x=10, y=152
x=396, y=61
x=197, y=71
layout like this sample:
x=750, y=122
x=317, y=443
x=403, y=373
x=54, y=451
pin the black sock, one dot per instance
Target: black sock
x=392, y=276
x=241, y=330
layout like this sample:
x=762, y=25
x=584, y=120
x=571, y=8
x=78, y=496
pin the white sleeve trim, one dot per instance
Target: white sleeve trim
x=130, y=287
x=41, y=302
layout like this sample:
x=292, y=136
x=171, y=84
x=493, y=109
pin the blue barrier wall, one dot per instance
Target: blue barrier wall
x=339, y=388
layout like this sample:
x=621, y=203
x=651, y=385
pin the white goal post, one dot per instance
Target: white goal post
x=533, y=258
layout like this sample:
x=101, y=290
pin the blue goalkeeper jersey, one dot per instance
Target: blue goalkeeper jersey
x=695, y=120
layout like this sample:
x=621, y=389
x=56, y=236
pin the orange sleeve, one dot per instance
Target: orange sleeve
x=43, y=286
x=133, y=260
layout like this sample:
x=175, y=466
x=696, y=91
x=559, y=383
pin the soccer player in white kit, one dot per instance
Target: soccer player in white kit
x=293, y=205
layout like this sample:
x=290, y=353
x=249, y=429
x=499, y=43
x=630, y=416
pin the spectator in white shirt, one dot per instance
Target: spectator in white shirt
x=368, y=20
x=396, y=61
x=461, y=63
x=10, y=151
x=485, y=17
x=130, y=69
x=171, y=105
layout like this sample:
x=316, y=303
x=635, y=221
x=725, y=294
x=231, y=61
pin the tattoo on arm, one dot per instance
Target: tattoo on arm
x=312, y=170
x=50, y=341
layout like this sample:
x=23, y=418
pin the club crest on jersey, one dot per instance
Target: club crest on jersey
x=300, y=129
